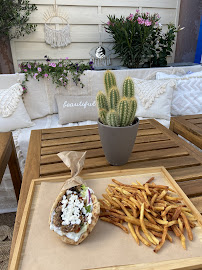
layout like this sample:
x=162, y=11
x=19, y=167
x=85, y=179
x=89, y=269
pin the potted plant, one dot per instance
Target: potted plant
x=117, y=123
x=139, y=39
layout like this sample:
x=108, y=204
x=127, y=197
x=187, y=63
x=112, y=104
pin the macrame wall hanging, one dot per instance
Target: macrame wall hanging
x=100, y=55
x=54, y=34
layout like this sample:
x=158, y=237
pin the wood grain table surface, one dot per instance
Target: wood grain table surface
x=8, y=157
x=189, y=127
x=155, y=146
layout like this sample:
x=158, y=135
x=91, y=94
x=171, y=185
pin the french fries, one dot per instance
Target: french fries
x=150, y=211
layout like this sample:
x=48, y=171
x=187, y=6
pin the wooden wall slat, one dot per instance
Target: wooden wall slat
x=38, y=50
x=89, y=15
x=131, y=3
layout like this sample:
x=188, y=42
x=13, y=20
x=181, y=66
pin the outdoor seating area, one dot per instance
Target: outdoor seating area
x=100, y=125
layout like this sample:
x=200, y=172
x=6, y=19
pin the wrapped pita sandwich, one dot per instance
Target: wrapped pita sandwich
x=76, y=210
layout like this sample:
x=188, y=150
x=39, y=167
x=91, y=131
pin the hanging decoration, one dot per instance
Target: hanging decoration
x=100, y=55
x=54, y=35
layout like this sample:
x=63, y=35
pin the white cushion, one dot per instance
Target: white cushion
x=187, y=98
x=7, y=80
x=76, y=108
x=40, y=97
x=36, y=100
x=19, y=119
x=13, y=114
x=153, y=98
x=162, y=75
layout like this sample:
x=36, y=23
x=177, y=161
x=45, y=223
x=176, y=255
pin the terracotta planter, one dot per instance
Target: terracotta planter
x=118, y=142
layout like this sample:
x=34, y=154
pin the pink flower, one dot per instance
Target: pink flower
x=67, y=58
x=52, y=65
x=46, y=75
x=137, y=10
x=130, y=17
x=60, y=65
x=140, y=20
x=147, y=23
x=25, y=70
x=39, y=69
x=35, y=75
x=29, y=66
x=110, y=23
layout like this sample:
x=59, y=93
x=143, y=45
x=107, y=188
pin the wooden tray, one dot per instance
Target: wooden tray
x=189, y=263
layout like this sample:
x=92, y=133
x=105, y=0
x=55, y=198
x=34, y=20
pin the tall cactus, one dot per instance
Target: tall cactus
x=128, y=88
x=109, y=81
x=123, y=111
x=102, y=101
x=132, y=111
x=113, y=98
x=103, y=116
x=113, y=118
x=113, y=110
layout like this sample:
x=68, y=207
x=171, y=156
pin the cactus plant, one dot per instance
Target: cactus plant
x=103, y=116
x=113, y=98
x=113, y=110
x=133, y=108
x=102, y=101
x=123, y=111
x=109, y=81
x=128, y=88
x=113, y=118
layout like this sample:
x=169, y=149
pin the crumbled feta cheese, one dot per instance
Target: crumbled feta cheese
x=72, y=208
x=71, y=211
x=89, y=218
x=68, y=192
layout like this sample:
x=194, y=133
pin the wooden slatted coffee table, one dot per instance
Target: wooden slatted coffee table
x=189, y=127
x=155, y=146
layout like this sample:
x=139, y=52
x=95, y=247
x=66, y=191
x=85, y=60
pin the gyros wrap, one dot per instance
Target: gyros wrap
x=76, y=209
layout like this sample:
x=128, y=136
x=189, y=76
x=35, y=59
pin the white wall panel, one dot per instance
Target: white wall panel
x=85, y=19
x=78, y=33
x=122, y=3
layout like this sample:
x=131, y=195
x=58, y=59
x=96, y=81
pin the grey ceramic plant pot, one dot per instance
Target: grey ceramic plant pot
x=118, y=142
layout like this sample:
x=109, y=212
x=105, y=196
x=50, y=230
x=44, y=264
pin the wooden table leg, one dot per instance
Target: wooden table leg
x=5, y=151
x=32, y=171
x=172, y=125
x=15, y=170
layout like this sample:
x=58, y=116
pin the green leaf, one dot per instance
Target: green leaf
x=88, y=208
x=14, y=18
